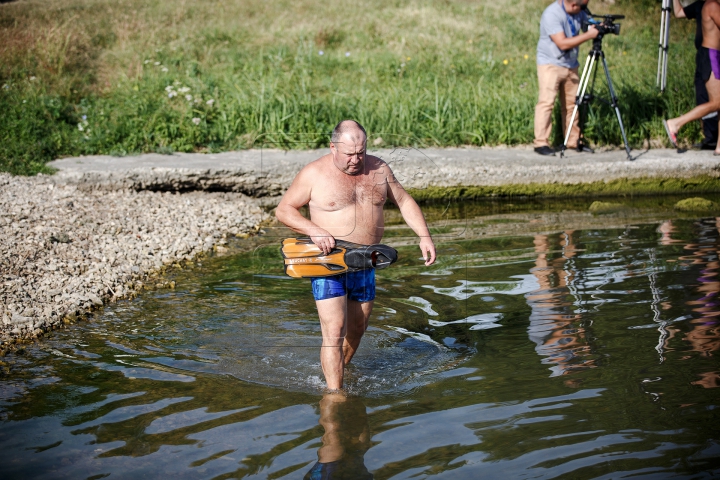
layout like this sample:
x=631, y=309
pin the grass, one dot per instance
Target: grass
x=129, y=76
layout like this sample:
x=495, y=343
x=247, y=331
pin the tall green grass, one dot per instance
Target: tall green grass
x=100, y=77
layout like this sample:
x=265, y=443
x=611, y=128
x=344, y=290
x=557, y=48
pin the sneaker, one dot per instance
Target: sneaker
x=545, y=150
x=585, y=149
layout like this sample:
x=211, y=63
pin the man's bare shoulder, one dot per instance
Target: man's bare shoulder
x=316, y=166
x=711, y=8
x=376, y=164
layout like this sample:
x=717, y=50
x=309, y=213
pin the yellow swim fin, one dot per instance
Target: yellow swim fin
x=304, y=259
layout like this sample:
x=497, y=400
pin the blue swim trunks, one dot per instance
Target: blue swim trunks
x=358, y=286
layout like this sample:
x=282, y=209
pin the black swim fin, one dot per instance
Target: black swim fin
x=369, y=256
x=303, y=258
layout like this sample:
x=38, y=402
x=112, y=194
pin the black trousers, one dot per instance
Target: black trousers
x=703, y=70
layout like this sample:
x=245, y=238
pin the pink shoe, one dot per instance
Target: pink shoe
x=671, y=136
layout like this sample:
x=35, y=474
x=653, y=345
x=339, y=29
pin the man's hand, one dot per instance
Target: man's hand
x=427, y=247
x=592, y=31
x=323, y=240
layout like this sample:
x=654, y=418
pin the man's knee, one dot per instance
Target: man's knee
x=543, y=106
x=358, y=316
x=356, y=330
x=333, y=329
x=333, y=340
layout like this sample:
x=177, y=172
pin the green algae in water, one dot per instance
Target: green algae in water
x=630, y=187
x=696, y=204
x=606, y=207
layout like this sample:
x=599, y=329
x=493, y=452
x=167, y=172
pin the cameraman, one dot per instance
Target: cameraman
x=693, y=10
x=557, y=64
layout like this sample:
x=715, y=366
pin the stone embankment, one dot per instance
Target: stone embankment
x=267, y=173
x=66, y=251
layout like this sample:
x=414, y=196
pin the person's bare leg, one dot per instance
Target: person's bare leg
x=333, y=322
x=358, y=314
x=713, y=88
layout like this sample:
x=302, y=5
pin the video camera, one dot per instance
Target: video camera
x=607, y=25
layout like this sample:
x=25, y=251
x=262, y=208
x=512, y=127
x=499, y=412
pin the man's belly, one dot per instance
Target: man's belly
x=711, y=39
x=365, y=226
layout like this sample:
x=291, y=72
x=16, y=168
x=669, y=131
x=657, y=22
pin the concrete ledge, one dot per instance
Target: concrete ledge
x=268, y=173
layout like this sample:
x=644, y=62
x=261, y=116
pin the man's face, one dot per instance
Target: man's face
x=349, y=154
x=573, y=7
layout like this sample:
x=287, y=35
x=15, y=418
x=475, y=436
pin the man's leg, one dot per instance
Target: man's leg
x=358, y=315
x=333, y=322
x=568, y=93
x=713, y=89
x=703, y=70
x=548, y=85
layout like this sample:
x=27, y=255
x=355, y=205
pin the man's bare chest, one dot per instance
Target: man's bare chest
x=338, y=194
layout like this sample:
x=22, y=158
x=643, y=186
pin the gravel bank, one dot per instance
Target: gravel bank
x=66, y=251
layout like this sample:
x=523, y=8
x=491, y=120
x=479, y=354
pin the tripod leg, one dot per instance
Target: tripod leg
x=666, y=47
x=614, y=103
x=660, y=43
x=587, y=98
x=589, y=63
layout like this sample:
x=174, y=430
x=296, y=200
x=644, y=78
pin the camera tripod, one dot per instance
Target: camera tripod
x=663, y=44
x=595, y=56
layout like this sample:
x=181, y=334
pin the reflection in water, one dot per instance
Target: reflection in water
x=554, y=326
x=657, y=300
x=346, y=439
x=704, y=337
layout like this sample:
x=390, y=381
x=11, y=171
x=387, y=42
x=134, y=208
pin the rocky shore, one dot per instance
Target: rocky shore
x=66, y=251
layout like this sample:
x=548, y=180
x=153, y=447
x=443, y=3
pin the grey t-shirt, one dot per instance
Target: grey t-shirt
x=555, y=20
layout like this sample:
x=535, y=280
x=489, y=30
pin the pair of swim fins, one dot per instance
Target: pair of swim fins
x=305, y=259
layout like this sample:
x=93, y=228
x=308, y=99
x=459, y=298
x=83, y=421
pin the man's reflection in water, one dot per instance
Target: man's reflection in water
x=553, y=323
x=346, y=439
x=666, y=230
x=704, y=337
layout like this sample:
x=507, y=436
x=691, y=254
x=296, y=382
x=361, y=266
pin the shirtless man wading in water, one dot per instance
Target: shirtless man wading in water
x=345, y=191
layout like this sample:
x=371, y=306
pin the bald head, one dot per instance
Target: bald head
x=351, y=128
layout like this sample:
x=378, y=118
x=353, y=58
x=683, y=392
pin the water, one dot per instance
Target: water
x=546, y=343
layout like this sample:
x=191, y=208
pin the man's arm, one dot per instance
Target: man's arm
x=678, y=9
x=565, y=43
x=288, y=211
x=712, y=10
x=413, y=216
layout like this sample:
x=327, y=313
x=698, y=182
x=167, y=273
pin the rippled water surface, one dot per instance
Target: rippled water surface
x=545, y=343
